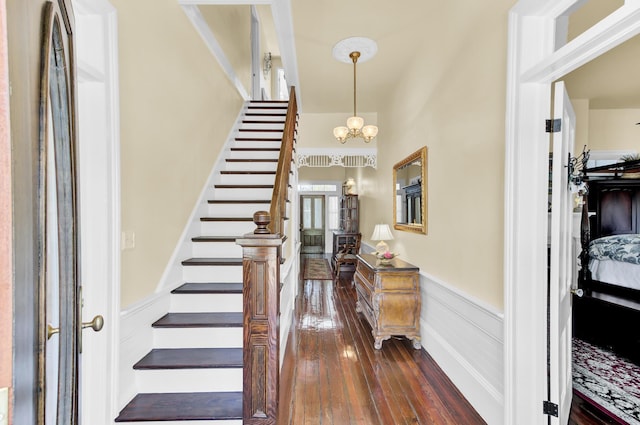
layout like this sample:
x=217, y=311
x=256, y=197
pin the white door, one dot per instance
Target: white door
x=98, y=186
x=561, y=259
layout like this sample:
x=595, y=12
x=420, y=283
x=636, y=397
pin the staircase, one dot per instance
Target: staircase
x=194, y=371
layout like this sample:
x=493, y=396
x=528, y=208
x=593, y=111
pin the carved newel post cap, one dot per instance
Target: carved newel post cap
x=262, y=220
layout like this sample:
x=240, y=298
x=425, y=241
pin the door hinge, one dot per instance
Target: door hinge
x=549, y=408
x=553, y=126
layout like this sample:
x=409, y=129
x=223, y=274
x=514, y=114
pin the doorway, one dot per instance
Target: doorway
x=539, y=29
x=312, y=224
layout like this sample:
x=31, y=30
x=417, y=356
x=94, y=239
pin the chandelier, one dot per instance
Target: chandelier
x=355, y=124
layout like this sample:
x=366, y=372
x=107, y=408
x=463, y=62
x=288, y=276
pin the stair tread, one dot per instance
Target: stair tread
x=226, y=218
x=262, y=121
x=250, y=160
x=182, y=406
x=248, y=172
x=244, y=186
x=200, y=320
x=255, y=149
x=239, y=201
x=215, y=238
x=259, y=139
x=199, y=261
x=191, y=358
x=208, y=288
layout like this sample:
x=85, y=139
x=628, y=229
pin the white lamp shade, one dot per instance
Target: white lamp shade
x=355, y=123
x=381, y=232
x=340, y=133
x=369, y=132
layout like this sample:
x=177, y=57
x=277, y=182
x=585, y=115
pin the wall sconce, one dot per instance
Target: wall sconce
x=266, y=64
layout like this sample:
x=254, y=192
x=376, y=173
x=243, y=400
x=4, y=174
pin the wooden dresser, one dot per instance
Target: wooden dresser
x=389, y=297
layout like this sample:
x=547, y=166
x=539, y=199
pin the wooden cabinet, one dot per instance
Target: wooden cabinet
x=348, y=214
x=389, y=298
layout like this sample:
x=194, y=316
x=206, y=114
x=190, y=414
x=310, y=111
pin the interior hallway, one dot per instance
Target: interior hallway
x=332, y=374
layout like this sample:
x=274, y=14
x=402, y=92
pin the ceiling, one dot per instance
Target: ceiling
x=431, y=27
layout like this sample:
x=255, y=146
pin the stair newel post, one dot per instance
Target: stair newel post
x=261, y=253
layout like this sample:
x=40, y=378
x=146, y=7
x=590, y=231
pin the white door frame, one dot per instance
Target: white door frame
x=535, y=59
x=99, y=204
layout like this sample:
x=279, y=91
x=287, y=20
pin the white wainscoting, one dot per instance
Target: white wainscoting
x=465, y=337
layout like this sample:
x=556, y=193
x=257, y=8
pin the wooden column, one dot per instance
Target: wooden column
x=261, y=252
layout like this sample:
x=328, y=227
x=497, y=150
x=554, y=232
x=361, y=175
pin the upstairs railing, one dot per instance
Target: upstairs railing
x=281, y=185
x=261, y=259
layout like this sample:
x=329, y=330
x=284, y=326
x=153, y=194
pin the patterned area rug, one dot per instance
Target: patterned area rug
x=607, y=381
x=317, y=269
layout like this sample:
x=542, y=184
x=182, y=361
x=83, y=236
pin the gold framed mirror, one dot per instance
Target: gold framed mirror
x=410, y=193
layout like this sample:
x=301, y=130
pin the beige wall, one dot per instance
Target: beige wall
x=614, y=129
x=231, y=25
x=459, y=116
x=176, y=111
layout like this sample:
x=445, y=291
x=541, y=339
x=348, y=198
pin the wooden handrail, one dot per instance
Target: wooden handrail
x=281, y=185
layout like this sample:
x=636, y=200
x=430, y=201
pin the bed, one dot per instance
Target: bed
x=608, y=312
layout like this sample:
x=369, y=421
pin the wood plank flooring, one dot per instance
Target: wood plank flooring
x=331, y=373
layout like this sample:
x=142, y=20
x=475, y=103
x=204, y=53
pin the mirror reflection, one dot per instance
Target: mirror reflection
x=410, y=195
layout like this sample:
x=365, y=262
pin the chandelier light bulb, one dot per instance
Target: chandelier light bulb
x=340, y=133
x=369, y=132
x=355, y=124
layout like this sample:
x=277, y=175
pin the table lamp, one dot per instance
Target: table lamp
x=382, y=233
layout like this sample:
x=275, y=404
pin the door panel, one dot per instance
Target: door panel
x=561, y=259
x=312, y=223
x=58, y=232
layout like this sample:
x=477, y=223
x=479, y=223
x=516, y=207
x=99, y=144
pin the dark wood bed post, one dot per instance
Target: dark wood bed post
x=261, y=253
x=585, y=238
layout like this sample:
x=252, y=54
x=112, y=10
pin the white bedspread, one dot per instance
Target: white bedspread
x=616, y=273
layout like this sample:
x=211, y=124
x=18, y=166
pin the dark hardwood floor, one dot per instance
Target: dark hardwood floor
x=331, y=373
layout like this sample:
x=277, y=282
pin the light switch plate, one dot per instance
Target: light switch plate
x=4, y=406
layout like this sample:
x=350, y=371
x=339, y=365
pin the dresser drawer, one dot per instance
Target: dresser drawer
x=363, y=288
x=366, y=272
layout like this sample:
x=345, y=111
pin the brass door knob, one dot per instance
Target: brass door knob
x=51, y=331
x=96, y=324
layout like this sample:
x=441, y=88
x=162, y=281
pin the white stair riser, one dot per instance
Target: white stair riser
x=261, y=116
x=188, y=380
x=263, y=126
x=223, y=422
x=197, y=337
x=247, y=178
x=195, y=303
x=212, y=273
x=228, y=228
x=253, y=144
x=270, y=103
x=236, y=210
x=267, y=109
x=254, y=154
x=216, y=249
x=260, y=134
x=250, y=166
x=243, y=193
